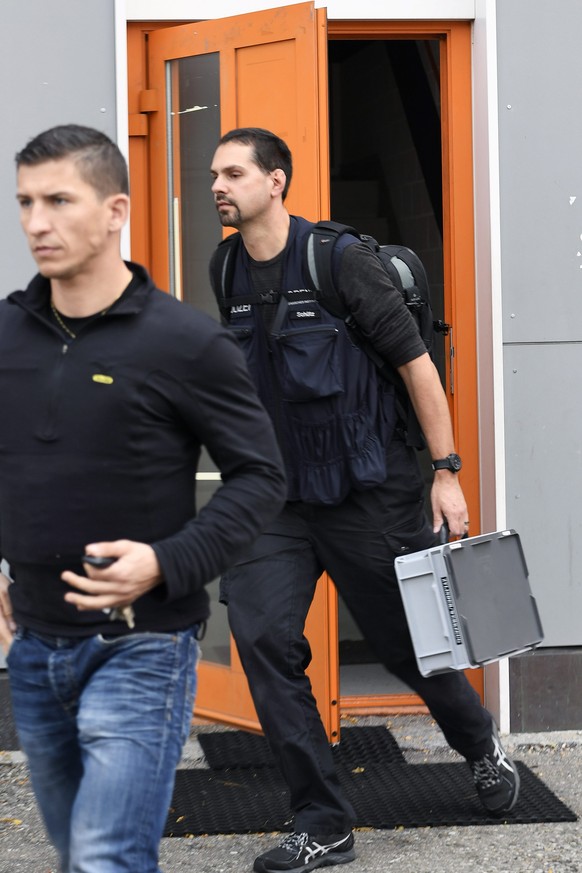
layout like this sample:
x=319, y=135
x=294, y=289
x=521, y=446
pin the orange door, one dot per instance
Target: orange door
x=269, y=69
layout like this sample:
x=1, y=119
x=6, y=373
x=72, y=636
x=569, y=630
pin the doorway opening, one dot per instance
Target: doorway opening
x=386, y=180
x=255, y=63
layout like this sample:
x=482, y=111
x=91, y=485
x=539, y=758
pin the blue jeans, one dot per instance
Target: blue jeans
x=103, y=721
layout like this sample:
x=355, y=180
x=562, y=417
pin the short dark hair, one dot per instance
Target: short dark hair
x=100, y=161
x=270, y=152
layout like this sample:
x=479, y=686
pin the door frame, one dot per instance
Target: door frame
x=457, y=201
x=458, y=258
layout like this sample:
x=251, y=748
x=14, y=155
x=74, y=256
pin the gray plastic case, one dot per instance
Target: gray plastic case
x=468, y=602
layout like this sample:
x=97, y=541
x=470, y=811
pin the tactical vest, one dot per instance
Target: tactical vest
x=334, y=416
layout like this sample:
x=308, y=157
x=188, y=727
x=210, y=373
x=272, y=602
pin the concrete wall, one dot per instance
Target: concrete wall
x=57, y=66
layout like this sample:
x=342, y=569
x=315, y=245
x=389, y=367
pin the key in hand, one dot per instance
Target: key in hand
x=118, y=613
x=123, y=613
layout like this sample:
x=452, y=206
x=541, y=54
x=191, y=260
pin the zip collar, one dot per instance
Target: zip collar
x=37, y=294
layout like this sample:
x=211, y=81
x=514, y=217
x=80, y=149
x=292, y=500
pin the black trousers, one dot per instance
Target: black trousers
x=269, y=595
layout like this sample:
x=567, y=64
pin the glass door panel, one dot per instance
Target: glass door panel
x=193, y=129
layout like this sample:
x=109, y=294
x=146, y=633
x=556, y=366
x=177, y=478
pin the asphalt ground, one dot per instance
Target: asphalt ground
x=556, y=758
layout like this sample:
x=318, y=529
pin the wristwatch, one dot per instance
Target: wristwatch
x=452, y=462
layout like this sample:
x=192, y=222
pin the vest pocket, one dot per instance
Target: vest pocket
x=368, y=466
x=307, y=363
x=337, y=453
x=320, y=474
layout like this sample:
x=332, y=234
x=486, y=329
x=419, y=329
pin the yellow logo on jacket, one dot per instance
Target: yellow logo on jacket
x=103, y=380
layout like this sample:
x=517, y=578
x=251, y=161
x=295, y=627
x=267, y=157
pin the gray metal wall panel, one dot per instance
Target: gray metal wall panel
x=57, y=66
x=540, y=142
x=540, y=79
x=544, y=479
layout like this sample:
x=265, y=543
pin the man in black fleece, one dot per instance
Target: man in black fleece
x=108, y=389
x=355, y=494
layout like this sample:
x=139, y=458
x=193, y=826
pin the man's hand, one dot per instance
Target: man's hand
x=448, y=504
x=135, y=571
x=7, y=625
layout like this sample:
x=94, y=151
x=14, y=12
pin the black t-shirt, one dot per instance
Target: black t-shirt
x=74, y=325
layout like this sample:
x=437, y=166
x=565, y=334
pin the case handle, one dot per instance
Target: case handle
x=444, y=534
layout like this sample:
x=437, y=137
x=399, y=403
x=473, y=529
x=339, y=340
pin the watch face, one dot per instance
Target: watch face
x=455, y=462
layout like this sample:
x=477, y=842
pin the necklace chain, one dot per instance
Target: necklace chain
x=61, y=323
x=65, y=327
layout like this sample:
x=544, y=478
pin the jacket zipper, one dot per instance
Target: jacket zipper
x=50, y=430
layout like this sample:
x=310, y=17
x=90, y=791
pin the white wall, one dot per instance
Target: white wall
x=194, y=10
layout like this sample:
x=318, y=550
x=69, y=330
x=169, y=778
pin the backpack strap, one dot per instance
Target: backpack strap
x=320, y=261
x=322, y=244
x=222, y=271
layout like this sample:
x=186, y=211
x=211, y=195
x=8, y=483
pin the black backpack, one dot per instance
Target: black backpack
x=405, y=270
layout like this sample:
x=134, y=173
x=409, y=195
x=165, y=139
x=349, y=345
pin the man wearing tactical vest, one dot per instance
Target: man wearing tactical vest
x=355, y=494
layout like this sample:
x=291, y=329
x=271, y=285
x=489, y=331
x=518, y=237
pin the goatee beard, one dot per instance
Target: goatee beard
x=230, y=221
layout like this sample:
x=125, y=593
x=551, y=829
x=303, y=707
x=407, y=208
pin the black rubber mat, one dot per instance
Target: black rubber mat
x=8, y=738
x=240, y=749
x=242, y=799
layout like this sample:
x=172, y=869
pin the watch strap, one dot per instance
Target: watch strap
x=452, y=462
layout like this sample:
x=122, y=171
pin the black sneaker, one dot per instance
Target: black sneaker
x=305, y=852
x=496, y=778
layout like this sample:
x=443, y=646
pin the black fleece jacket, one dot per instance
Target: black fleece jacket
x=100, y=438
